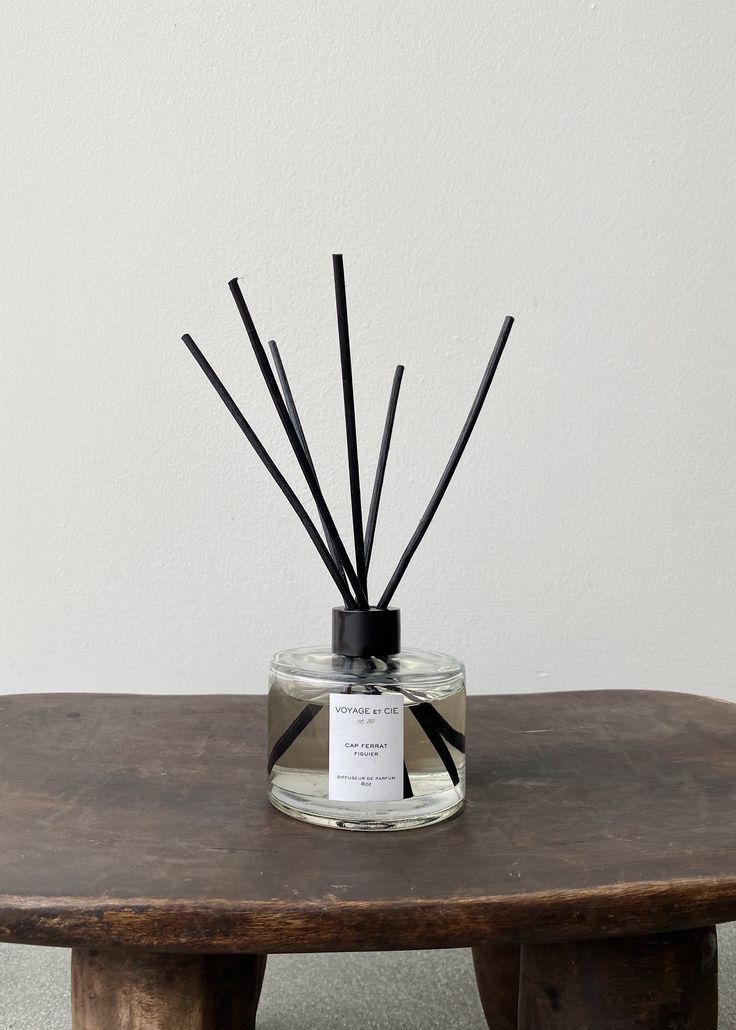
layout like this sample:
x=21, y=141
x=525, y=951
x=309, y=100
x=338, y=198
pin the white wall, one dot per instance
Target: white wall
x=569, y=162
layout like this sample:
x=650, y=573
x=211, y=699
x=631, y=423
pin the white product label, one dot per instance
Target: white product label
x=366, y=747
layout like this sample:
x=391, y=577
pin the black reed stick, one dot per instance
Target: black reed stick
x=452, y=464
x=265, y=457
x=290, y=734
x=388, y=428
x=350, y=429
x=408, y=792
x=433, y=736
x=297, y=423
x=289, y=398
x=433, y=718
x=309, y=475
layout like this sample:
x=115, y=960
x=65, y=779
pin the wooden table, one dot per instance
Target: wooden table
x=596, y=853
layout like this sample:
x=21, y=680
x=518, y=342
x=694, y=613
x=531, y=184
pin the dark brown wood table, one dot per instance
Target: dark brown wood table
x=596, y=852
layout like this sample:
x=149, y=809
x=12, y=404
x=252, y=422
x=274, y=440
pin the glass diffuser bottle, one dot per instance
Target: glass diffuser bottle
x=362, y=735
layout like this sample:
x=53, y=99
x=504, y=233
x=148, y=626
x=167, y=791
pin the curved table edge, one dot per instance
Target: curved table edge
x=330, y=924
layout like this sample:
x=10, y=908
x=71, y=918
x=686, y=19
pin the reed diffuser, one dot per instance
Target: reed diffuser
x=361, y=735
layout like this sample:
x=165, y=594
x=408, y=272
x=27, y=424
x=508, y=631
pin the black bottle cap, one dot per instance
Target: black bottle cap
x=366, y=632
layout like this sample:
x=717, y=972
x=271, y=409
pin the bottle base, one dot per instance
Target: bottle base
x=409, y=814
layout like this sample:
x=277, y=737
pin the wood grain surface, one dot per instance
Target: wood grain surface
x=142, y=822
x=136, y=990
x=497, y=969
x=655, y=982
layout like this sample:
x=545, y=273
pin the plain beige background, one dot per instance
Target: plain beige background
x=571, y=163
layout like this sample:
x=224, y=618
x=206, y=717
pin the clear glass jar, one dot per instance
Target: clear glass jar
x=366, y=743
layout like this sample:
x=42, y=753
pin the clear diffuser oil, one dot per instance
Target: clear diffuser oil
x=366, y=743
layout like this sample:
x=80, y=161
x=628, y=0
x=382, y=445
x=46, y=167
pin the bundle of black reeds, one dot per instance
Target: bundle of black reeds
x=350, y=579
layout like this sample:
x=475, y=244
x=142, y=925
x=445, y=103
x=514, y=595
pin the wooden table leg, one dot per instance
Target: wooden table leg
x=129, y=990
x=497, y=976
x=659, y=982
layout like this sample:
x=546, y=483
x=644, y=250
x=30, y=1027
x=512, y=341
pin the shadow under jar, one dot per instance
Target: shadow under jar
x=364, y=742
